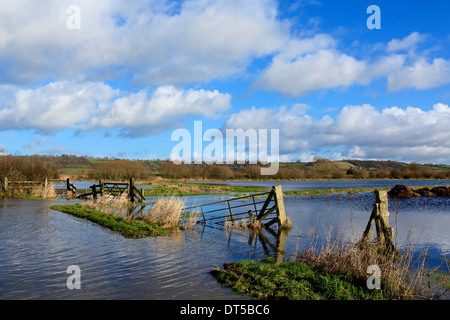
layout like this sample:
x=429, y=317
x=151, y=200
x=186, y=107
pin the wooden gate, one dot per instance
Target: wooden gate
x=267, y=208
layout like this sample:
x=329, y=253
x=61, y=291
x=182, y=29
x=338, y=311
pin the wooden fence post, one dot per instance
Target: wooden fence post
x=5, y=184
x=131, y=190
x=94, y=191
x=280, y=205
x=380, y=215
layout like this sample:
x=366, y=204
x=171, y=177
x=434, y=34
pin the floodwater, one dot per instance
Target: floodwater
x=338, y=184
x=39, y=244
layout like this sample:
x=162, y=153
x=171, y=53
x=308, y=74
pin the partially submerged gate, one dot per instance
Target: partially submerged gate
x=265, y=208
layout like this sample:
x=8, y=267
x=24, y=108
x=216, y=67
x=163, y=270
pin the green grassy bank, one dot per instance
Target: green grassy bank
x=289, y=281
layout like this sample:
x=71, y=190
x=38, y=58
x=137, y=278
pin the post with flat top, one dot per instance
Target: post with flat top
x=131, y=189
x=94, y=191
x=380, y=214
x=281, y=212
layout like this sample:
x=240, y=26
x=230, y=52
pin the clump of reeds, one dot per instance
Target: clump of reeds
x=165, y=212
x=238, y=224
x=253, y=224
x=287, y=225
x=109, y=203
x=242, y=224
x=44, y=192
x=189, y=220
x=69, y=195
x=337, y=256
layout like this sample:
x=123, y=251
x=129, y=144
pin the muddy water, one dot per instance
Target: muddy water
x=39, y=244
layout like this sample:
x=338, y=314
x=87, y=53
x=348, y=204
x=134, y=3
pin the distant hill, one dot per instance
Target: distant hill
x=373, y=165
x=65, y=161
x=370, y=165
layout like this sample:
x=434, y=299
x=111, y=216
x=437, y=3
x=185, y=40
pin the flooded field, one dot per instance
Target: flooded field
x=38, y=244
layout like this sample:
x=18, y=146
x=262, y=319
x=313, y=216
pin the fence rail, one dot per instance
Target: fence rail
x=63, y=186
x=21, y=186
x=115, y=189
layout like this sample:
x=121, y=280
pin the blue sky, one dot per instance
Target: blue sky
x=115, y=78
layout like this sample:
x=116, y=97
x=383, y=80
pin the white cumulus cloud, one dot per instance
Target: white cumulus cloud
x=360, y=131
x=93, y=105
x=159, y=43
x=316, y=63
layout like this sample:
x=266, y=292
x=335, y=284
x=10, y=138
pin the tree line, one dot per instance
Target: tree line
x=26, y=169
x=41, y=167
x=320, y=169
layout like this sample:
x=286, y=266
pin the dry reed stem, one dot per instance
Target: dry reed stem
x=165, y=212
x=109, y=203
x=287, y=225
x=337, y=256
x=242, y=224
x=190, y=223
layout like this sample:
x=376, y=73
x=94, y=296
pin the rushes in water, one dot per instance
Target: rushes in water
x=110, y=203
x=165, y=212
x=189, y=220
x=242, y=224
x=41, y=192
x=253, y=224
x=399, y=279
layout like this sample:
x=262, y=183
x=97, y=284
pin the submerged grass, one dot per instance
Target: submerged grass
x=165, y=212
x=129, y=228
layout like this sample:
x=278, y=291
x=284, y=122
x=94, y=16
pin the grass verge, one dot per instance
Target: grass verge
x=293, y=280
x=127, y=227
x=336, y=270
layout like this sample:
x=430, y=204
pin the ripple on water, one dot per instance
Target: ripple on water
x=38, y=244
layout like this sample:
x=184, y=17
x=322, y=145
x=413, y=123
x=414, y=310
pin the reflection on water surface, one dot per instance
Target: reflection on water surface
x=38, y=244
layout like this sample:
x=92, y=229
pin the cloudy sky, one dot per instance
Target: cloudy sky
x=115, y=78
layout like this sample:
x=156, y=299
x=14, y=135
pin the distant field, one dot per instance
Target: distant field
x=344, y=165
x=97, y=160
x=73, y=170
x=441, y=167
